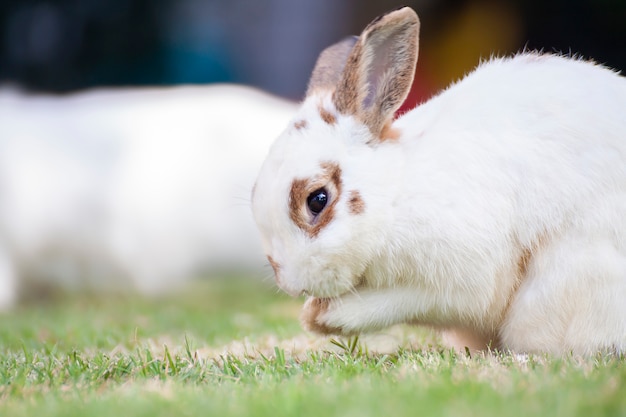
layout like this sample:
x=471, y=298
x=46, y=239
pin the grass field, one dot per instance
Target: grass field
x=234, y=347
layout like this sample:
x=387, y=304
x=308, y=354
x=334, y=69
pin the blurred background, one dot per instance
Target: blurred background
x=65, y=45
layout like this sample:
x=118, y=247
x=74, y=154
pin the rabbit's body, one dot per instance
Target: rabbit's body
x=133, y=189
x=511, y=229
x=496, y=210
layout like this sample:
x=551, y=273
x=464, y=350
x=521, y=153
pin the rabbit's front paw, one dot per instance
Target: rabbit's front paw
x=314, y=316
x=345, y=316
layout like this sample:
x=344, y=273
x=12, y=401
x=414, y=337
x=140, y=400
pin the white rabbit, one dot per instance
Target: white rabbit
x=495, y=211
x=130, y=189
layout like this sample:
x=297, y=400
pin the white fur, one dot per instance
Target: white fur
x=130, y=189
x=524, y=154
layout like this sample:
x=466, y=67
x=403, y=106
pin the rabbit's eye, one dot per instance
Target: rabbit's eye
x=316, y=201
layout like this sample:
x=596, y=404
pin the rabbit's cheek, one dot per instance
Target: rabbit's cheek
x=329, y=279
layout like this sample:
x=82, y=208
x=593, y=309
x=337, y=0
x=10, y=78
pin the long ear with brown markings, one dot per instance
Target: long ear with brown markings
x=380, y=70
x=330, y=64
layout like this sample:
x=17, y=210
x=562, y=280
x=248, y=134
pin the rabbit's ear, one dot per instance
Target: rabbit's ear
x=380, y=69
x=329, y=66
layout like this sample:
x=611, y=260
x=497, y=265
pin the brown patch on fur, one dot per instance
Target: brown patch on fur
x=389, y=133
x=300, y=190
x=275, y=266
x=301, y=124
x=313, y=308
x=333, y=172
x=356, y=205
x=297, y=197
x=327, y=116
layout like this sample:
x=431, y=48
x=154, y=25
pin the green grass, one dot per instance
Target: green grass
x=235, y=348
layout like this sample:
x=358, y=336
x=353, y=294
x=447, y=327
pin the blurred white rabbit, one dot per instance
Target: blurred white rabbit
x=129, y=189
x=495, y=211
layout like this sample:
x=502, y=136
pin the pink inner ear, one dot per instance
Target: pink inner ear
x=382, y=62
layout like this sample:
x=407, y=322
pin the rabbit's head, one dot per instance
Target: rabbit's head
x=324, y=197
